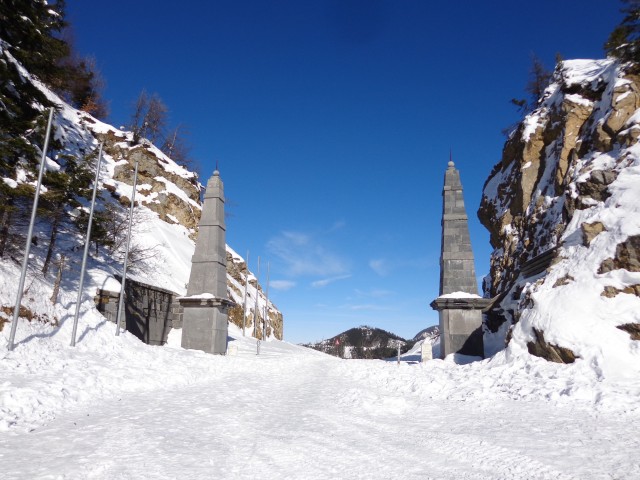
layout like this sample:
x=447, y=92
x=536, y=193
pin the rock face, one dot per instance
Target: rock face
x=562, y=211
x=158, y=178
x=237, y=274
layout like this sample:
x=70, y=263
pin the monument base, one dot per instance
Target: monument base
x=205, y=324
x=461, y=325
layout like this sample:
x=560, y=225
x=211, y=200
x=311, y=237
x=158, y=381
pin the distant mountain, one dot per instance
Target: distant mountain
x=431, y=333
x=363, y=342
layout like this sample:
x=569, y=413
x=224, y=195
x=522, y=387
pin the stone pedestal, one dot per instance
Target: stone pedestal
x=461, y=325
x=205, y=324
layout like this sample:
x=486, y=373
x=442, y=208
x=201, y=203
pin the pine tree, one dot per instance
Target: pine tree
x=539, y=78
x=65, y=188
x=84, y=85
x=29, y=27
x=624, y=40
x=21, y=136
x=26, y=36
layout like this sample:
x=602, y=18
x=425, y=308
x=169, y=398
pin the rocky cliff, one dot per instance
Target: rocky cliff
x=563, y=211
x=238, y=273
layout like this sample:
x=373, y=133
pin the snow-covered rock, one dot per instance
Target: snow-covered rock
x=563, y=210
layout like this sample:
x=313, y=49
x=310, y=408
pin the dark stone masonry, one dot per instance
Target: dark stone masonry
x=460, y=315
x=150, y=312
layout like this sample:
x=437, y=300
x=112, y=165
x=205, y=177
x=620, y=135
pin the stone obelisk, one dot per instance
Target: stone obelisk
x=205, y=305
x=459, y=306
x=457, y=270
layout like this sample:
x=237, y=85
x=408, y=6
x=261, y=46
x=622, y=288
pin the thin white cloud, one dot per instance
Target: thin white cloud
x=302, y=254
x=282, y=284
x=384, y=267
x=380, y=266
x=326, y=281
x=337, y=225
x=374, y=293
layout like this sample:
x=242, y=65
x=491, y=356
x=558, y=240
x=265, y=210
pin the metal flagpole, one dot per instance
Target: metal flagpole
x=27, y=250
x=126, y=253
x=266, y=308
x=255, y=312
x=244, y=309
x=86, y=249
x=255, y=307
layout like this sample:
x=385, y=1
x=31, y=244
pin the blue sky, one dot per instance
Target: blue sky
x=332, y=123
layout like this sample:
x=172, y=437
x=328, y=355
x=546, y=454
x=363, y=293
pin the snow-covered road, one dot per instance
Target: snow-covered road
x=290, y=414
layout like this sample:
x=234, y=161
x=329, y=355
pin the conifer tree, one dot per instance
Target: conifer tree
x=26, y=35
x=539, y=78
x=65, y=188
x=21, y=129
x=29, y=27
x=84, y=85
x=624, y=40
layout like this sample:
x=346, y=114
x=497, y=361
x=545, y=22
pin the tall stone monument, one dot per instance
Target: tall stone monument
x=205, y=305
x=459, y=306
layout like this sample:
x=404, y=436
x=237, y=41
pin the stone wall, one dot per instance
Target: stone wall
x=150, y=312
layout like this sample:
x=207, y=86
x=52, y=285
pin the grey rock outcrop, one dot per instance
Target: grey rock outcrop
x=155, y=175
x=627, y=256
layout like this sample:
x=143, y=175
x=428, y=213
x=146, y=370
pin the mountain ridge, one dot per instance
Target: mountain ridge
x=366, y=342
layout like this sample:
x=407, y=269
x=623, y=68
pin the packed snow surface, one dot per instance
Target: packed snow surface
x=113, y=407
